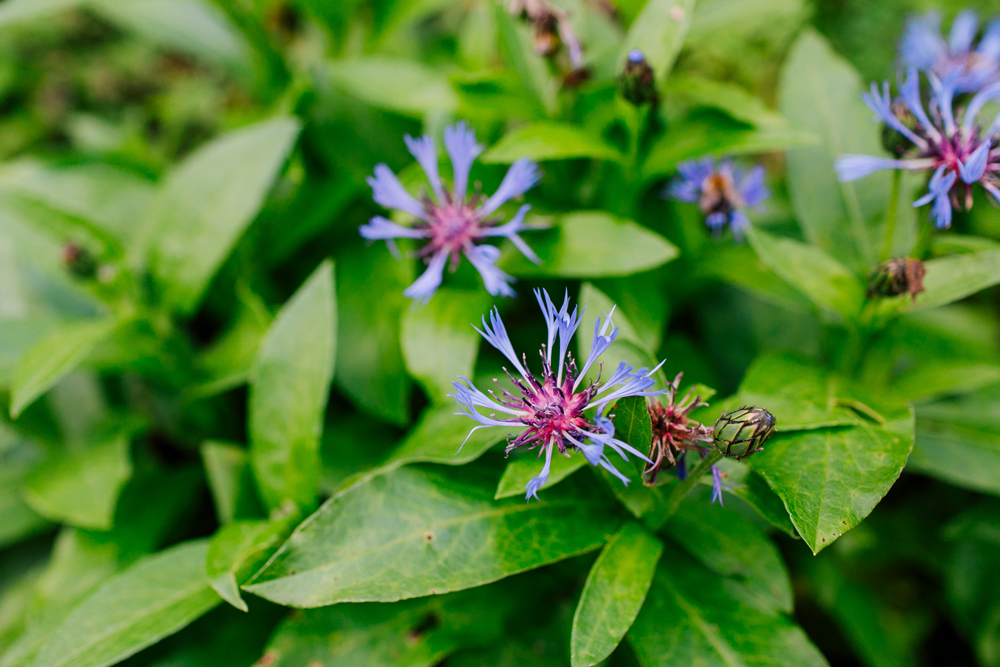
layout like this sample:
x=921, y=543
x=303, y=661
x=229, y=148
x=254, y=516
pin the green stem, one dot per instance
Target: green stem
x=923, y=245
x=685, y=487
x=891, y=215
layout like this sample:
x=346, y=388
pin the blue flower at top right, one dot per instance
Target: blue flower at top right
x=973, y=64
x=723, y=190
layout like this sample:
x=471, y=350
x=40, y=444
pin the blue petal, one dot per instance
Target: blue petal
x=510, y=230
x=602, y=340
x=424, y=150
x=963, y=31
x=496, y=335
x=975, y=165
x=989, y=45
x=387, y=191
x=910, y=91
x=852, y=167
x=981, y=99
x=922, y=44
x=484, y=257
x=683, y=189
x=423, y=288
x=716, y=221
x=716, y=485
x=380, y=229
x=460, y=142
x=739, y=223
x=538, y=482
x=752, y=187
x=636, y=56
x=697, y=170
x=521, y=177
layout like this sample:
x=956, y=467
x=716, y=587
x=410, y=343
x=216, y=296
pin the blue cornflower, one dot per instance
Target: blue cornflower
x=723, y=192
x=956, y=150
x=923, y=47
x=452, y=223
x=717, y=485
x=552, y=406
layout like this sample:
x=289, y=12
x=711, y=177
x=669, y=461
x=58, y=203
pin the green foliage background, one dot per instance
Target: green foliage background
x=241, y=415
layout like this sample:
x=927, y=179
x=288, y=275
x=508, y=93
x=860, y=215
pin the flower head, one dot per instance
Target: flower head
x=722, y=191
x=558, y=411
x=897, y=276
x=674, y=433
x=955, y=148
x=742, y=432
x=451, y=223
x=972, y=65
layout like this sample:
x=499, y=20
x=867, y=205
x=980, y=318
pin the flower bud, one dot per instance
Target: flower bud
x=79, y=261
x=742, y=432
x=636, y=80
x=896, y=276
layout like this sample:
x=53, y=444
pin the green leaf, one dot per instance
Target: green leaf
x=518, y=47
x=693, y=617
x=712, y=134
x=230, y=479
x=831, y=479
x=410, y=633
x=108, y=197
x=154, y=598
x=438, y=438
x=820, y=92
x=727, y=543
x=17, y=519
x=820, y=277
x=524, y=468
x=194, y=27
x=730, y=98
x=206, y=203
x=613, y=594
x=632, y=422
x=13, y=12
x=398, y=85
x=419, y=532
x=80, y=486
x=799, y=394
x=591, y=244
x=289, y=390
x=438, y=340
x=546, y=140
x=49, y=360
x=750, y=487
x=741, y=267
x=955, y=277
x=958, y=441
x=230, y=359
x=240, y=548
x=659, y=33
x=371, y=304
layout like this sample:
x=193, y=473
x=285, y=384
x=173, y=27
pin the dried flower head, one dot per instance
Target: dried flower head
x=674, y=433
x=896, y=276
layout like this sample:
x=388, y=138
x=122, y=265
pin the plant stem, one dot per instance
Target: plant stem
x=891, y=215
x=685, y=487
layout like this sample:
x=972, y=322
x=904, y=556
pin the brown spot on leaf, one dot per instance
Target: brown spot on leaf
x=428, y=537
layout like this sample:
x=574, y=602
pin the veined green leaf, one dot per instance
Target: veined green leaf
x=49, y=360
x=239, y=548
x=659, y=33
x=207, y=202
x=154, y=598
x=591, y=244
x=289, y=392
x=399, y=85
x=691, y=617
x=955, y=277
x=416, y=532
x=80, y=486
x=524, y=468
x=546, y=140
x=613, y=594
x=820, y=277
x=438, y=340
